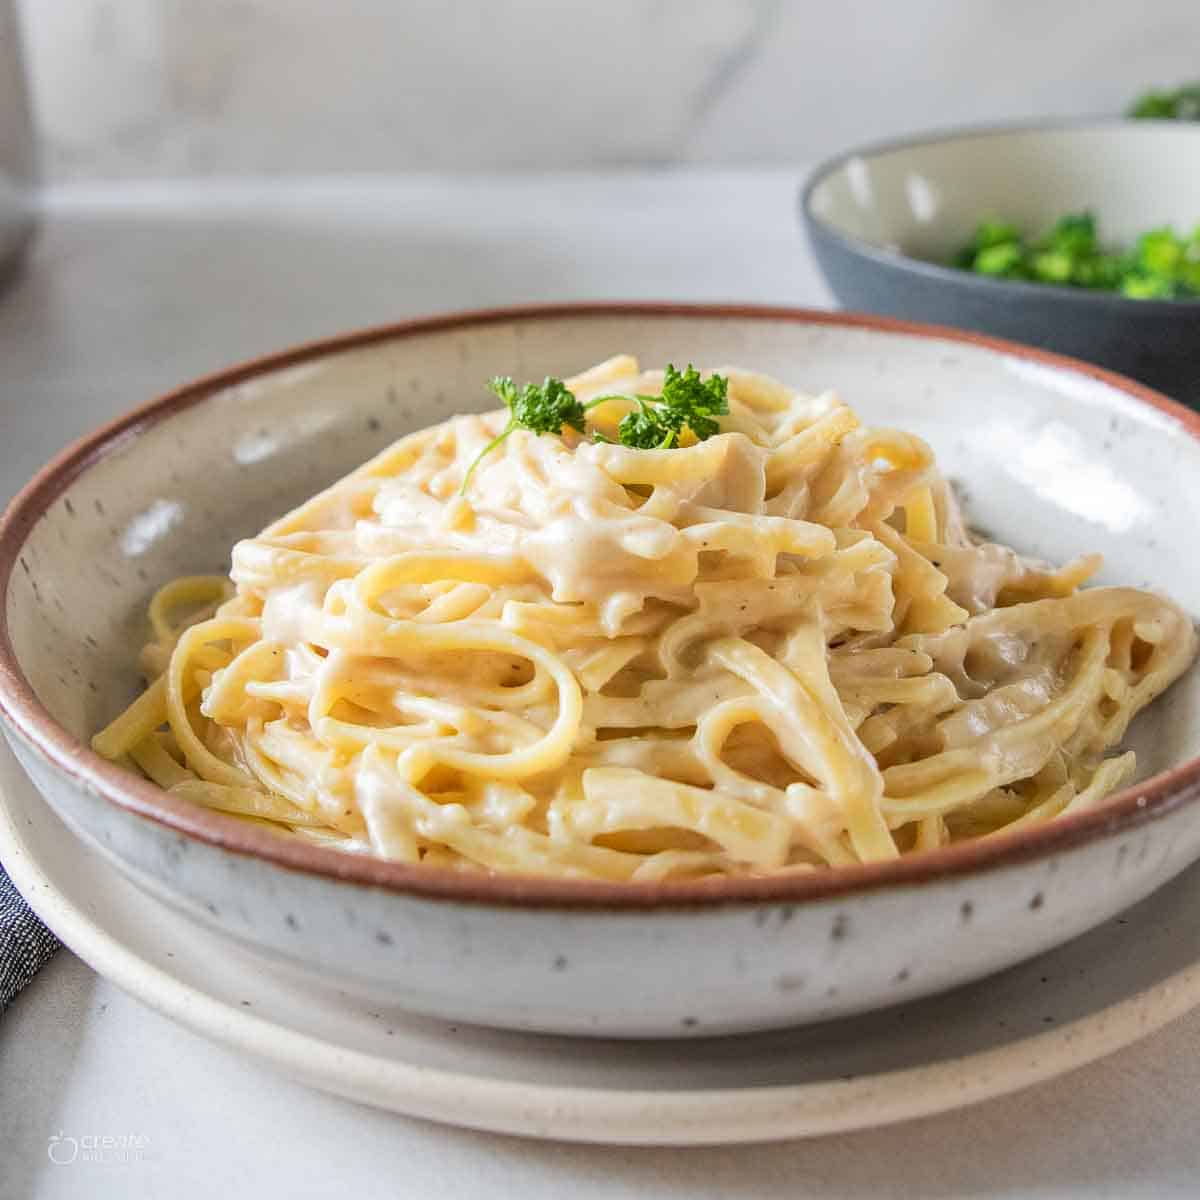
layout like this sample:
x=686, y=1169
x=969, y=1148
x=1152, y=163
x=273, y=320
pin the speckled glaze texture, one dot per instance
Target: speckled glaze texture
x=1054, y=459
x=882, y=220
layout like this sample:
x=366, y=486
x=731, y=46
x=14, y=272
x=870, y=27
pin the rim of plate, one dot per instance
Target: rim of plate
x=901, y=260
x=31, y=721
x=693, y=1116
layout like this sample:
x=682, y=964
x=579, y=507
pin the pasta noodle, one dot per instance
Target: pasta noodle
x=775, y=649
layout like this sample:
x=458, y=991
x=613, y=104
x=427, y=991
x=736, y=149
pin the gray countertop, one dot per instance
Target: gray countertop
x=132, y=289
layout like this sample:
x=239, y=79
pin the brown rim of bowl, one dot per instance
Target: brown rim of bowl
x=1144, y=801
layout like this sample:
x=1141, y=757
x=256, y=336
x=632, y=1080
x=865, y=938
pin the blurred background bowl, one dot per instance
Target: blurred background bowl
x=884, y=220
x=17, y=154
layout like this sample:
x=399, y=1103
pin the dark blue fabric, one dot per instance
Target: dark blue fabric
x=25, y=943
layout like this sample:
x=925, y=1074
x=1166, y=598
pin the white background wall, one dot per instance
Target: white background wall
x=201, y=87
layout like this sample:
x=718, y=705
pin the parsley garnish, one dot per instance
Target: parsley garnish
x=645, y=428
x=544, y=409
x=686, y=402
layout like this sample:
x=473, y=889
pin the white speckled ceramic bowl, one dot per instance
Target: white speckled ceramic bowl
x=1055, y=456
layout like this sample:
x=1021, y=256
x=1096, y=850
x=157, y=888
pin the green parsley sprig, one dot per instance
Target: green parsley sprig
x=544, y=409
x=686, y=402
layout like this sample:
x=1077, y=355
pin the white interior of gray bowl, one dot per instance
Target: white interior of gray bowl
x=1053, y=462
x=925, y=199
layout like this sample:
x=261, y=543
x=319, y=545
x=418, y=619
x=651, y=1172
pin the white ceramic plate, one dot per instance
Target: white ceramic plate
x=1116, y=984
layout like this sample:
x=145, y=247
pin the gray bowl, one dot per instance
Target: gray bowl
x=883, y=219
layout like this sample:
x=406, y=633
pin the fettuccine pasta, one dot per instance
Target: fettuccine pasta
x=776, y=649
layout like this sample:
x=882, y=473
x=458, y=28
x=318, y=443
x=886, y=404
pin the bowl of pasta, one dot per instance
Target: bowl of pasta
x=508, y=667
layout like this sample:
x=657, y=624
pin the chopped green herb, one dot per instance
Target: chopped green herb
x=699, y=401
x=544, y=409
x=1162, y=265
x=1053, y=266
x=1002, y=259
x=1146, y=287
x=686, y=402
x=645, y=428
x=1074, y=234
x=1177, y=104
x=1160, y=252
x=995, y=233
